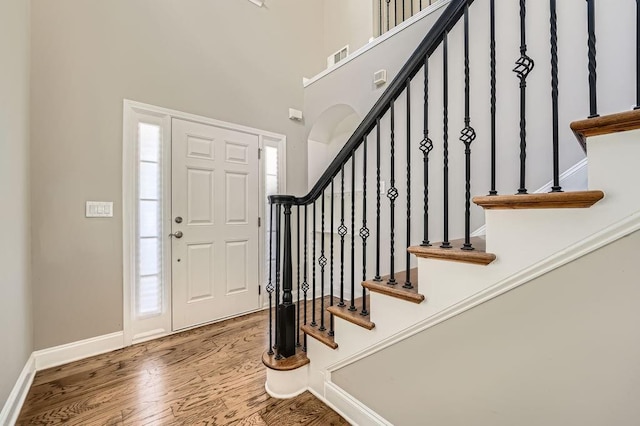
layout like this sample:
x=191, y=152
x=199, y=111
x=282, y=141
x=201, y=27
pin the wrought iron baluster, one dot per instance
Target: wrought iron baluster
x=524, y=66
x=269, y=282
x=392, y=194
x=380, y=18
x=305, y=283
x=395, y=11
x=352, y=307
x=331, y=324
x=322, y=261
x=377, y=277
x=364, y=231
x=445, y=138
x=407, y=281
x=426, y=146
x=467, y=136
x=492, y=48
x=554, y=96
x=298, y=272
x=313, y=271
x=591, y=44
x=342, y=231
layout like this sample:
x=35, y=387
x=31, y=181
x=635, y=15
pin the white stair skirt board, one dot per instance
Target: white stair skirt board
x=528, y=243
x=350, y=408
x=63, y=354
x=575, y=178
x=286, y=384
x=13, y=404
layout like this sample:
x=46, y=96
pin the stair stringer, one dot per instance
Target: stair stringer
x=528, y=243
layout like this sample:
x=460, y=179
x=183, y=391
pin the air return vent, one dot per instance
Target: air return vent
x=338, y=56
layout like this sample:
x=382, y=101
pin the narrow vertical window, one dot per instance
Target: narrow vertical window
x=149, y=277
x=271, y=188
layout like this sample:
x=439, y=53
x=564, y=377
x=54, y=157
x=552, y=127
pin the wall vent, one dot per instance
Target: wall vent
x=380, y=77
x=338, y=56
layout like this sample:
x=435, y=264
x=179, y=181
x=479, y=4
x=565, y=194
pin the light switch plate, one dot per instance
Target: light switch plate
x=99, y=209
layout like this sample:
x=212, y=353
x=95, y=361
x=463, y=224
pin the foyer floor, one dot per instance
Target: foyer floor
x=212, y=375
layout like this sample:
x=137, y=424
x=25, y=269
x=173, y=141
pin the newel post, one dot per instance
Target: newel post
x=287, y=309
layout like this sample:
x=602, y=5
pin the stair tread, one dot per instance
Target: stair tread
x=612, y=123
x=551, y=200
x=397, y=290
x=477, y=256
x=321, y=336
x=285, y=364
x=314, y=331
x=354, y=317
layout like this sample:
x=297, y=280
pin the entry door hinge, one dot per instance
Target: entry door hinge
x=259, y=290
x=259, y=153
x=259, y=222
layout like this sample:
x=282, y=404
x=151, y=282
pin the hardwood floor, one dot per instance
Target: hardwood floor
x=212, y=375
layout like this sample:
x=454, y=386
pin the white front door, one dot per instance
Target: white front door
x=215, y=208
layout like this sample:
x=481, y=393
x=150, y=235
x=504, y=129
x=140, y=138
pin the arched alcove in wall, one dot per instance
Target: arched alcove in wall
x=328, y=135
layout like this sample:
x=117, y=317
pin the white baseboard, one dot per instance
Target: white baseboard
x=63, y=354
x=352, y=410
x=13, y=405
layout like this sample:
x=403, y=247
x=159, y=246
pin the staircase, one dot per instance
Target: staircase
x=362, y=260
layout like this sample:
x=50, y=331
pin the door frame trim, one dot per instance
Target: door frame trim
x=129, y=145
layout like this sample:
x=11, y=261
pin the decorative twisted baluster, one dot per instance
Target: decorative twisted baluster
x=305, y=284
x=322, y=261
x=392, y=194
x=352, y=307
x=342, y=231
x=426, y=146
x=364, y=231
x=331, y=331
x=524, y=66
x=554, y=96
x=298, y=273
x=269, y=282
x=467, y=136
x=591, y=44
x=407, y=281
x=313, y=271
x=492, y=49
x=445, y=138
x=377, y=276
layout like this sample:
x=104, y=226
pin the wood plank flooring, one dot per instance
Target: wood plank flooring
x=212, y=375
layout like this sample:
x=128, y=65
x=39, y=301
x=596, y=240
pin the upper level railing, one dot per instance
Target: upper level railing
x=330, y=218
x=391, y=13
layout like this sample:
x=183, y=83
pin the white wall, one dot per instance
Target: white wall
x=16, y=333
x=560, y=350
x=225, y=59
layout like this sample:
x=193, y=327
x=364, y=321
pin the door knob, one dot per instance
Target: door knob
x=177, y=234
